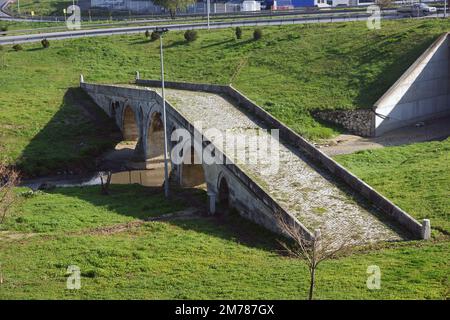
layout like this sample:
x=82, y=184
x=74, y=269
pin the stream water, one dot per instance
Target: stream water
x=149, y=178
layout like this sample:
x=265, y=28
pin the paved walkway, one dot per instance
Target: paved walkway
x=436, y=129
x=298, y=186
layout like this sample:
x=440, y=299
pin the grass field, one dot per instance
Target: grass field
x=41, y=7
x=20, y=25
x=416, y=177
x=204, y=258
x=293, y=70
x=290, y=72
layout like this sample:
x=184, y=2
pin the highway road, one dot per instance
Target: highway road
x=214, y=25
x=327, y=17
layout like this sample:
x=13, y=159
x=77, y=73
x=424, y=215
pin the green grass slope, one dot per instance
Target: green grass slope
x=416, y=177
x=41, y=7
x=202, y=258
x=290, y=72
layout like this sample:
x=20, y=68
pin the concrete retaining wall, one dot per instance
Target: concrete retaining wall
x=288, y=135
x=421, y=93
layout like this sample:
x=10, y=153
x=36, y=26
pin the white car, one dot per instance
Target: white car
x=416, y=10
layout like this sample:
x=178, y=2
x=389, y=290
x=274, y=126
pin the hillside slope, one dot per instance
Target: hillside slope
x=290, y=71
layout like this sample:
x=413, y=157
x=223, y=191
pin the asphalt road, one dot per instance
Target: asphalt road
x=215, y=25
x=257, y=21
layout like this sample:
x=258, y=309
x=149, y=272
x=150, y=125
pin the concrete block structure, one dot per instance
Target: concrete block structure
x=421, y=93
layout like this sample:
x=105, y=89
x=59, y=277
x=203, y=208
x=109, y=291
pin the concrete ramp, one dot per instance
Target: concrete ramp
x=421, y=93
x=303, y=189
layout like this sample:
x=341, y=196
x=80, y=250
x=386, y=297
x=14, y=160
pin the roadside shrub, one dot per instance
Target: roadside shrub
x=147, y=34
x=257, y=34
x=1, y=47
x=4, y=28
x=190, y=35
x=30, y=194
x=45, y=43
x=238, y=33
x=154, y=36
x=17, y=47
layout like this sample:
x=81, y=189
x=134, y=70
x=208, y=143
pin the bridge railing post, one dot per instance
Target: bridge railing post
x=426, y=229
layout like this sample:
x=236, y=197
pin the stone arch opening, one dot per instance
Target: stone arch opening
x=130, y=128
x=192, y=171
x=155, y=137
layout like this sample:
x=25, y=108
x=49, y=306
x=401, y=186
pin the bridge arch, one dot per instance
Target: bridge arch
x=130, y=129
x=155, y=136
x=192, y=169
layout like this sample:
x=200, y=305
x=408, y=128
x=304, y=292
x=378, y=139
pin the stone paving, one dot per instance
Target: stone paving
x=296, y=184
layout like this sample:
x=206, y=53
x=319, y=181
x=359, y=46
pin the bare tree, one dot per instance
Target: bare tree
x=312, y=250
x=383, y=4
x=105, y=184
x=173, y=5
x=9, y=179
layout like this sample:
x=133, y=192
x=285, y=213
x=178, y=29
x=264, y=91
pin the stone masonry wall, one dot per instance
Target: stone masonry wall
x=360, y=122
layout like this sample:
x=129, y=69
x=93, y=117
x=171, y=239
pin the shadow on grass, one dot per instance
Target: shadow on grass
x=146, y=202
x=234, y=228
x=239, y=43
x=144, y=41
x=218, y=43
x=36, y=49
x=76, y=134
x=176, y=44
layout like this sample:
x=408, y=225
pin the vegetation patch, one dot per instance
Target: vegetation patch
x=203, y=258
x=72, y=209
x=415, y=177
x=291, y=71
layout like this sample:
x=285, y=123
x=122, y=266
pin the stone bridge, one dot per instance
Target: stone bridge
x=308, y=188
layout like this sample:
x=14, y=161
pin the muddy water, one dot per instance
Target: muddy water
x=150, y=178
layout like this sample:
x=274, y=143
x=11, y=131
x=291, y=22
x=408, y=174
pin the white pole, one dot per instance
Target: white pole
x=166, y=170
x=445, y=9
x=208, y=5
